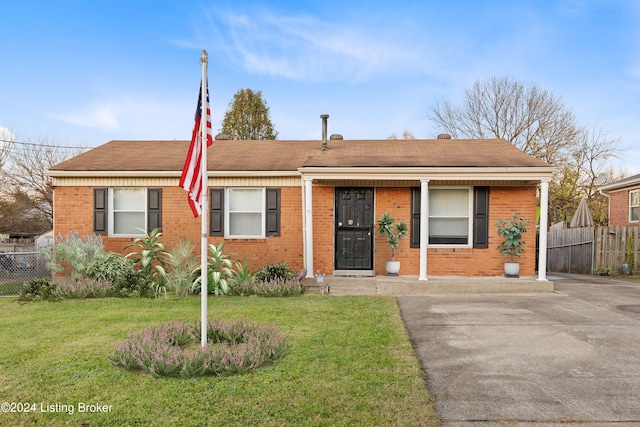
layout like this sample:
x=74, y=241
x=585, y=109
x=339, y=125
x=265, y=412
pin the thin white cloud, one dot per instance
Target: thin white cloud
x=307, y=48
x=95, y=115
x=136, y=116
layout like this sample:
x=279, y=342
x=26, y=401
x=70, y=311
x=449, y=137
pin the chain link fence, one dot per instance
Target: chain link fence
x=17, y=268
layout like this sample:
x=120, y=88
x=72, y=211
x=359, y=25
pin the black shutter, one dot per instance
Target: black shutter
x=414, y=227
x=481, y=217
x=216, y=214
x=273, y=212
x=100, y=210
x=154, y=208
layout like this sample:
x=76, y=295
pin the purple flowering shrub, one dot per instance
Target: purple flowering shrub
x=173, y=349
x=276, y=287
x=84, y=288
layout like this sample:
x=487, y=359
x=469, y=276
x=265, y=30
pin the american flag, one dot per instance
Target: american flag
x=191, y=179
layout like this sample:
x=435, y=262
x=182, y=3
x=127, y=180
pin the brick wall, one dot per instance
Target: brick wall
x=619, y=208
x=451, y=261
x=73, y=208
x=323, y=229
x=396, y=201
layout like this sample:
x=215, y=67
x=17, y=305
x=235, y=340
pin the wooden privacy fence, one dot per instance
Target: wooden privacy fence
x=570, y=250
x=612, y=247
x=583, y=250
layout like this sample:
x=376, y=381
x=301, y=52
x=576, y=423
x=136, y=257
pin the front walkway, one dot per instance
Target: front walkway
x=410, y=285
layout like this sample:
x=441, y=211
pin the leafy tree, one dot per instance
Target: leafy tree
x=248, y=117
x=537, y=122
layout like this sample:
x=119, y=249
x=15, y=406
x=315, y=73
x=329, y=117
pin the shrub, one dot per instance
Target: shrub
x=275, y=271
x=150, y=258
x=602, y=271
x=182, y=264
x=242, y=282
x=242, y=287
x=85, y=288
x=219, y=271
x=78, y=252
x=278, y=288
x=110, y=268
x=39, y=289
x=233, y=348
x=135, y=284
x=268, y=288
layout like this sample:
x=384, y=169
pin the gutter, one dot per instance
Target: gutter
x=417, y=173
x=163, y=174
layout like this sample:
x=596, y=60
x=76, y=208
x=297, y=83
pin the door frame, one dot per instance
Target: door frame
x=369, y=270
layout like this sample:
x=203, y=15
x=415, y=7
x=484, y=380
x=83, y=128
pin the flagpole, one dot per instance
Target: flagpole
x=205, y=182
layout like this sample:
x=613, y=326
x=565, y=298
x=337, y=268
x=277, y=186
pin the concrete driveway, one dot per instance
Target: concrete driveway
x=571, y=356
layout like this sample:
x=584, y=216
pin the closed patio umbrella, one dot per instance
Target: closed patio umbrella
x=582, y=217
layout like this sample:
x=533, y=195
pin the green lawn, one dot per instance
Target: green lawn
x=351, y=364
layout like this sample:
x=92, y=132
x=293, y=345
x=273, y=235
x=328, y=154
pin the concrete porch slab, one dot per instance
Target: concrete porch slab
x=410, y=285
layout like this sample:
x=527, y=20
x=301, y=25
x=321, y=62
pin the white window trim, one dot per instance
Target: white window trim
x=111, y=214
x=469, y=243
x=634, y=206
x=227, y=212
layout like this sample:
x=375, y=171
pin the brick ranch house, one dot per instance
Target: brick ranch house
x=624, y=201
x=314, y=204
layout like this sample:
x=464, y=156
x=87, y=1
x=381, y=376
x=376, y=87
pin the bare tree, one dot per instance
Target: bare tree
x=6, y=141
x=538, y=123
x=27, y=189
x=406, y=135
x=531, y=118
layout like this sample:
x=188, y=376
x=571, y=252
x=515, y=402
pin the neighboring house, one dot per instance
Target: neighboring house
x=45, y=240
x=315, y=208
x=624, y=201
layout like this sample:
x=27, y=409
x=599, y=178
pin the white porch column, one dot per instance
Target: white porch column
x=308, y=226
x=424, y=227
x=544, y=213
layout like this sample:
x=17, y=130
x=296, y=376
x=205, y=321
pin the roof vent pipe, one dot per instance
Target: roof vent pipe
x=324, y=118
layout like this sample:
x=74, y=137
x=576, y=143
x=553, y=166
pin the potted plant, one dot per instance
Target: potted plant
x=511, y=230
x=393, y=232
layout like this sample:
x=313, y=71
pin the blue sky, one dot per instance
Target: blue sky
x=86, y=72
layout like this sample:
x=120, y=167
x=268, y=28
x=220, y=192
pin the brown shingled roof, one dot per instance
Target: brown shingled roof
x=225, y=155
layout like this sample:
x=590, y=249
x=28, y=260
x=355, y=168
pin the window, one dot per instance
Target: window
x=449, y=211
x=454, y=215
x=121, y=211
x=128, y=210
x=244, y=212
x=634, y=203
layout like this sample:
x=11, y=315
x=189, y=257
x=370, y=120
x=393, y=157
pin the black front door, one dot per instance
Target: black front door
x=354, y=229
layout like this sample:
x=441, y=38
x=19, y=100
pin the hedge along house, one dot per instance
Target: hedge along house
x=314, y=204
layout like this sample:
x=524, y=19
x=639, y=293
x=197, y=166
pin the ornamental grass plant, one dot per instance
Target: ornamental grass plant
x=266, y=288
x=172, y=349
x=350, y=363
